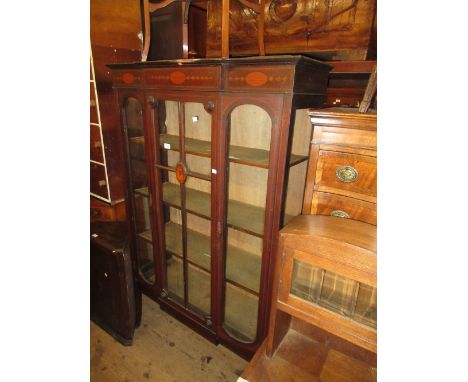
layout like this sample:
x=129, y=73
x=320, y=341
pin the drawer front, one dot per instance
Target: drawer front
x=98, y=180
x=202, y=78
x=342, y=206
x=102, y=213
x=330, y=135
x=93, y=111
x=96, y=144
x=251, y=78
x=347, y=174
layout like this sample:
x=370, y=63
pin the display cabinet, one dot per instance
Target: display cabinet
x=216, y=167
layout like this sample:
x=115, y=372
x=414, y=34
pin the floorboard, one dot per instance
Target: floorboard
x=163, y=350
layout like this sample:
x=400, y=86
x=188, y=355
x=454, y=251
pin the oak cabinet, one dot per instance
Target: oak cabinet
x=217, y=153
x=323, y=321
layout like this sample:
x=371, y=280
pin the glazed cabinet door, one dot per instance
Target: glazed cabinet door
x=250, y=129
x=265, y=162
x=139, y=175
x=183, y=172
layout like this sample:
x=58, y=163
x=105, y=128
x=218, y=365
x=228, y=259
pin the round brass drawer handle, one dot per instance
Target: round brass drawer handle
x=339, y=214
x=346, y=174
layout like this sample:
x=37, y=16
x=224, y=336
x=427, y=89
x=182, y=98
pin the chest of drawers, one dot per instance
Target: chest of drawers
x=342, y=171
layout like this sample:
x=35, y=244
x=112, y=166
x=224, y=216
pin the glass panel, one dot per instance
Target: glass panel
x=248, y=154
x=297, y=165
x=198, y=205
x=187, y=202
x=334, y=292
x=145, y=259
x=175, y=279
x=139, y=183
x=366, y=306
x=338, y=293
x=306, y=281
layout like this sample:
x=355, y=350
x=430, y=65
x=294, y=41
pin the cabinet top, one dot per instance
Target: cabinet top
x=344, y=117
x=256, y=60
x=267, y=74
x=333, y=229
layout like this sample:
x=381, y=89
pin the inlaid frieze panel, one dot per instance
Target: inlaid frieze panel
x=190, y=78
x=271, y=78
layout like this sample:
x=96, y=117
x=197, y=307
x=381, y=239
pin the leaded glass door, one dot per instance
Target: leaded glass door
x=183, y=168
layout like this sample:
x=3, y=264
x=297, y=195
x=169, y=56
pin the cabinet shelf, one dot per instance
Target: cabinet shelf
x=142, y=191
x=238, y=154
x=242, y=268
x=147, y=236
x=137, y=148
x=242, y=216
x=240, y=315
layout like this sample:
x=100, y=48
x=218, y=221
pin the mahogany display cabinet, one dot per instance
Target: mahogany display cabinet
x=217, y=153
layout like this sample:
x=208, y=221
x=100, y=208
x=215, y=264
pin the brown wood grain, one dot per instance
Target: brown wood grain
x=325, y=203
x=300, y=358
x=116, y=24
x=343, y=135
x=365, y=185
x=101, y=211
x=317, y=240
x=339, y=31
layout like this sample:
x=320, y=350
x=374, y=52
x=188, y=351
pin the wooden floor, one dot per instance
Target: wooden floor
x=307, y=354
x=163, y=350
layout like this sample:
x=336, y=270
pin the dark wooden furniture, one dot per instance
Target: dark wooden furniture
x=115, y=26
x=324, y=314
x=173, y=31
x=115, y=302
x=101, y=211
x=332, y=30
x=342, y=173
x=347, y=83
x=217, y=154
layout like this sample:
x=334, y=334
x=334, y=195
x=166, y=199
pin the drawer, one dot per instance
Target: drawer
x=272, y=78
x=357, y=138
x=98, y=180
x=198, y=78
x=96, y=144
x=343, y=206
x=101, y=211
x=347, y=174
x=93, y=111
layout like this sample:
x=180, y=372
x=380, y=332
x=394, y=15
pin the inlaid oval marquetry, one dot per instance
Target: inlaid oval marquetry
x=128, y=78
x=177, y=77
x=181, y=172
x=256, y=78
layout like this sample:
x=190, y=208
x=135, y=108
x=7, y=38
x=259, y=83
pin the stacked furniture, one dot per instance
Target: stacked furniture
x=323, y=318
x=115, y=26
x=216, y=153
